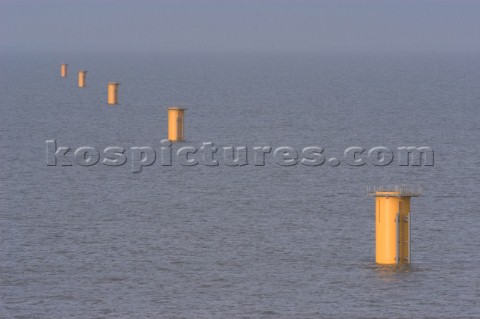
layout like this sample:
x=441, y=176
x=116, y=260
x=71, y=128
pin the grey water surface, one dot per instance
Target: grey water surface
x=237, y=242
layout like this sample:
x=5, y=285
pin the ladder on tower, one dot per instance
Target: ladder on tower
x=403, y=235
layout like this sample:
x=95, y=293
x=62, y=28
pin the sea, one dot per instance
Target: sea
x=82, y=239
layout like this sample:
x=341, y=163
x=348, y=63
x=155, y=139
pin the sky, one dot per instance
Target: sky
x=239, y=25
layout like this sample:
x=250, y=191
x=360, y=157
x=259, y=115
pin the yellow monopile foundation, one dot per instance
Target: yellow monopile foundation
x=63, y=70
x=392, y=226
x=82, y=78
x=113, y=93
x=176, y=117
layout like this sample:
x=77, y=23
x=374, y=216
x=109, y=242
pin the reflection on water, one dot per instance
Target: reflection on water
x=390, y=273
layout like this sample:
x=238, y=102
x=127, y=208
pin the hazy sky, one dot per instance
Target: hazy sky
x=245, y=25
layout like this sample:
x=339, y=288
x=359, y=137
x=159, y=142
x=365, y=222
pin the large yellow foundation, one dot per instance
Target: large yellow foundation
x=82, y=78
x=63, y=70
x=176, y=117
x=392, y=220
x=113, y=92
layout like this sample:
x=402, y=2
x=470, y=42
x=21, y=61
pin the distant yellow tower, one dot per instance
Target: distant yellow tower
x=392, y=225
x=176, y=117
x=81, y=78
x=63, y=70
x=113, y=92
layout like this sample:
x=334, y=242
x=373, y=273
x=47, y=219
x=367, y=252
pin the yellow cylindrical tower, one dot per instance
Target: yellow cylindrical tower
x=81, y=78
x=63, y=70
x=113, y=92
x=176, y=117
x=392, y=225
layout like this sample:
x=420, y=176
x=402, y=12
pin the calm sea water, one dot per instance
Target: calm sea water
x=237, y=242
